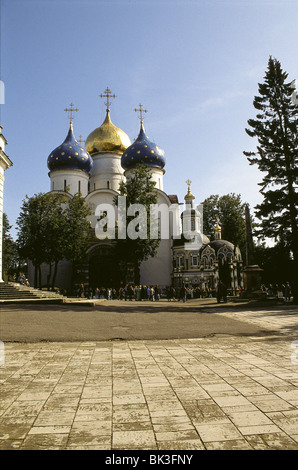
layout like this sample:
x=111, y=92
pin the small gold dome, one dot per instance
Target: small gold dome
x=107, y=138
x=189, y=195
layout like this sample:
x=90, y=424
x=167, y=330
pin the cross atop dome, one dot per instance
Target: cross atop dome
x=189, y=197
x=107, y=94
x=81, y=140
x=71, y=110
x=141, y=111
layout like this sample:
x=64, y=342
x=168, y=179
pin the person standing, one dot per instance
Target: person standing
x=287, y=291
x=183, y=293
x=138, y=293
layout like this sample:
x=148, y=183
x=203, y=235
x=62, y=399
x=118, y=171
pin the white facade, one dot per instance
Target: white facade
x=107, y=171
x=99, y=182
x=72, y=181
x=5, y=163
x=158, y=270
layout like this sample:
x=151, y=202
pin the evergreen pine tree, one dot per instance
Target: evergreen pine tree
x=276, y=128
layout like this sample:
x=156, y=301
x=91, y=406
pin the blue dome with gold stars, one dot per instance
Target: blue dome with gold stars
x=70, y=155
x=143, y=151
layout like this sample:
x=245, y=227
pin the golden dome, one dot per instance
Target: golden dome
x=189, y=194
x=107, y=138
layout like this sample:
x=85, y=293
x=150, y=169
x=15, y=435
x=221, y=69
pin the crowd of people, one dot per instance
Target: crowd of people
x=128, y=292
x=154, y=293
x=142, y=292
x=278, y=290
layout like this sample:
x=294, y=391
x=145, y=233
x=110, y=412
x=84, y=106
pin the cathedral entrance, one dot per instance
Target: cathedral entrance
x=104, y=269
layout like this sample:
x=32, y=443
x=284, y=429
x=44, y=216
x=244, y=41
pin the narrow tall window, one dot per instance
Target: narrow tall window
x=64, y=185
x=79, y=186
x=108, y=184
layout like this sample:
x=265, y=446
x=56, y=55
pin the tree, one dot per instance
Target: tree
x=276, y=129
x=52, y=227
x=276, y=263
x=11, y=260
x=32, y=236
x=76, y=230
x=138, y=189
x=231, y=212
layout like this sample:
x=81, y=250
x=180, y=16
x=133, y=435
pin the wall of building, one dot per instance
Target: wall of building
x=5, y=163
x=74, y=181
x=107, y=171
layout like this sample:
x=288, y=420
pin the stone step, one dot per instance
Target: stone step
x=15, y=291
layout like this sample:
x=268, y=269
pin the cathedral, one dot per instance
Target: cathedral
x=95, y=170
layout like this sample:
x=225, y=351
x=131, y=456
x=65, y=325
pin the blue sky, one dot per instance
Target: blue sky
x=194, y=65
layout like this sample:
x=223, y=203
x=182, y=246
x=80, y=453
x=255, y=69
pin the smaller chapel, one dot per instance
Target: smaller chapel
x=95, y=170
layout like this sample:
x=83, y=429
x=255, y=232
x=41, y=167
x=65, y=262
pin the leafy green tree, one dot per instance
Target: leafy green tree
x=276, y=129
x=76, y=235
x=11, y=261
x=52, y=227
x=276, y=262
x=32, y=236
x=138, y=189
x=231, y=212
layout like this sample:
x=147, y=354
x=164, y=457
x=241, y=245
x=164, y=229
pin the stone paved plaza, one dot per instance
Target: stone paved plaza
x=214, y=392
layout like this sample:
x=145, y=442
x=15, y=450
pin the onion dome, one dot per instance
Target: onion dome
x=143, y=151
x=70, y=155
x=222, y=244
x=107, y=138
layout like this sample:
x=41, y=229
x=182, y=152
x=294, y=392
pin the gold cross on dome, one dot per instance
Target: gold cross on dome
x=71, y=110
x=141, y=111
x=80, y=139
x=107, y=94
x=188, y=182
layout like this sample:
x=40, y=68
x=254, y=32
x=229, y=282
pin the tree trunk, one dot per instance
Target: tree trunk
x=35, y=276
x=137, y=275
x=39, y=277
x=49, y=276
x=55, y=274
x=295, y=281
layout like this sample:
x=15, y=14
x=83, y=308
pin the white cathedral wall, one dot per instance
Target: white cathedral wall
x=96, y=198
x=1, y=215
x=158, y=270
x=63, y=278
x=107, y=171
x=75, y=180
x=5, y=163
x=156, y=176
